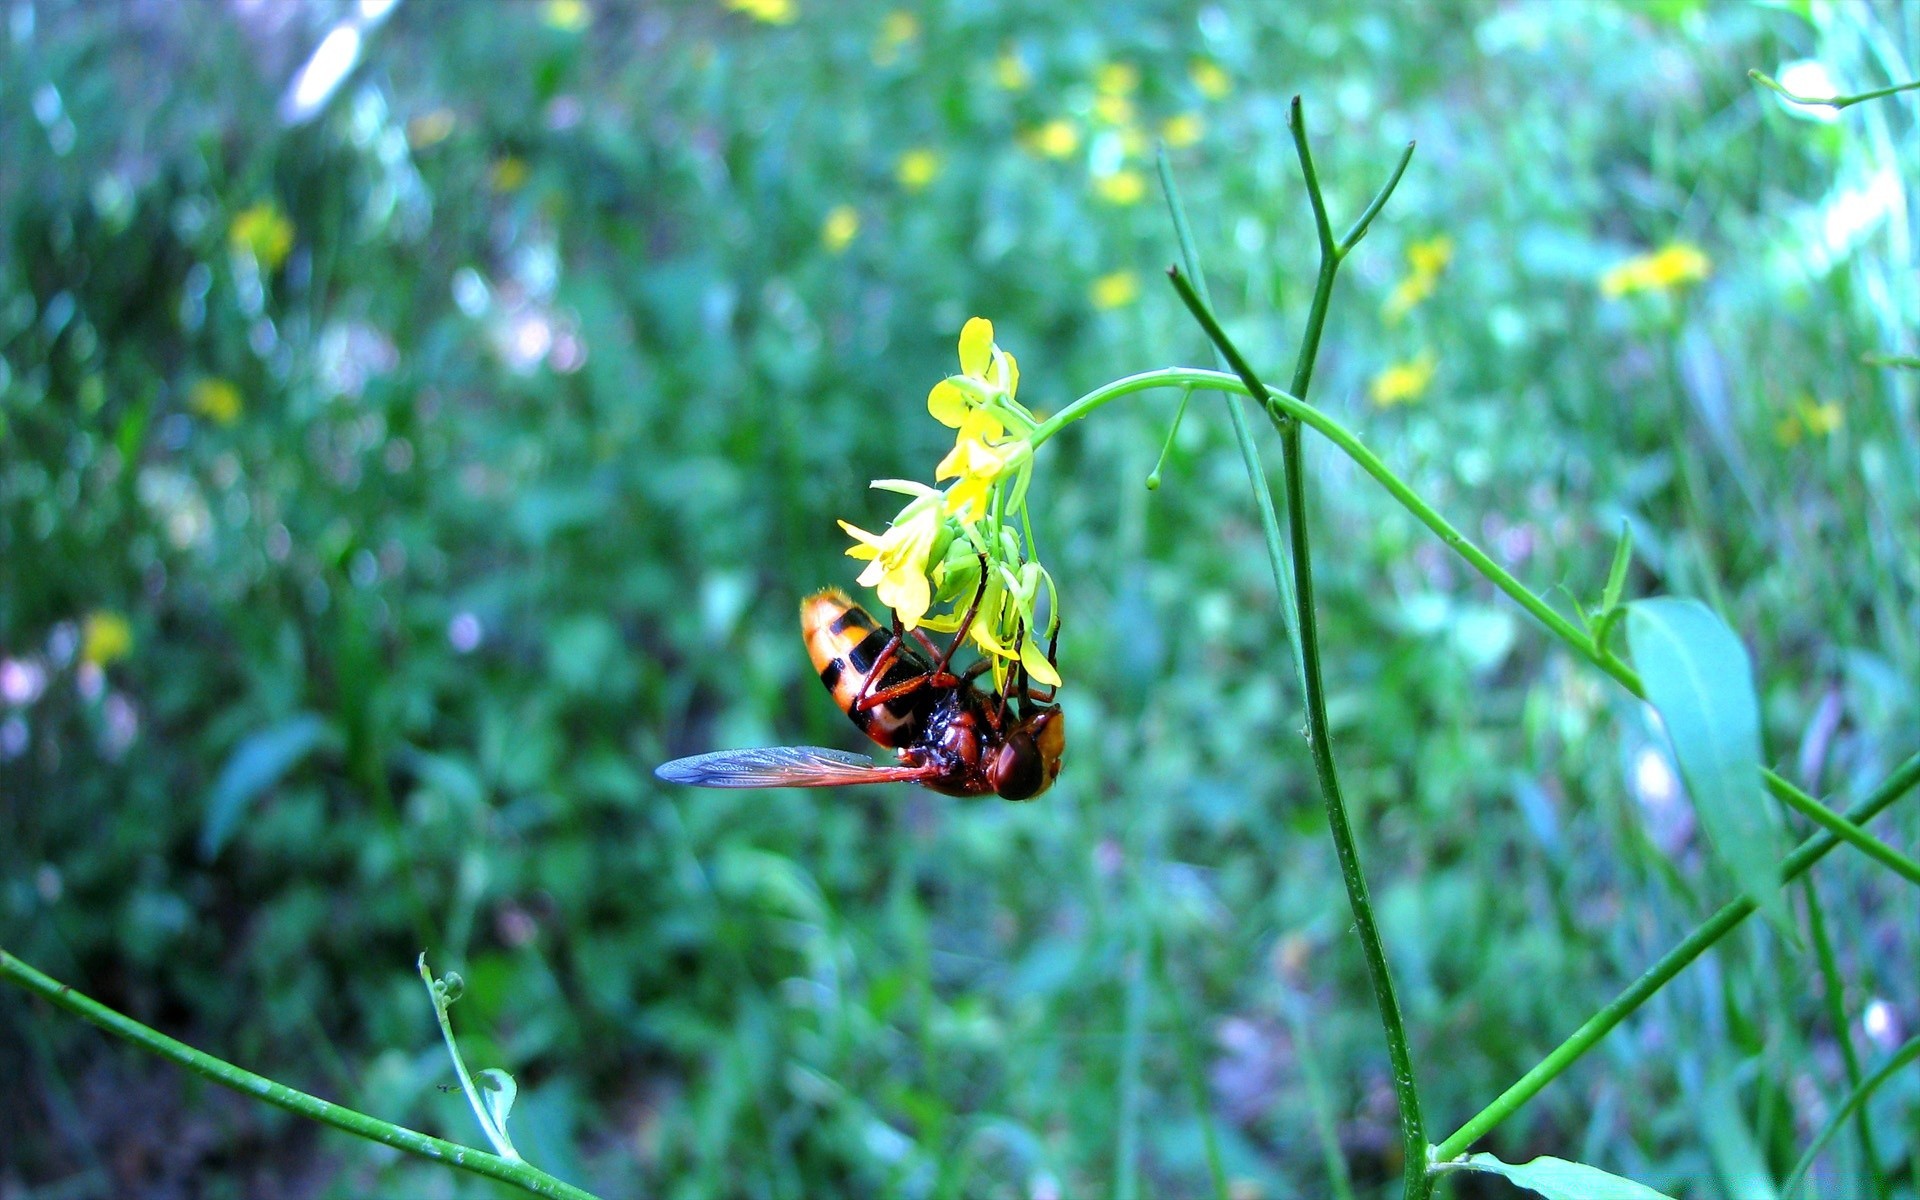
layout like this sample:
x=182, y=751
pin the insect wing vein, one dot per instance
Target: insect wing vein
x=780, y=766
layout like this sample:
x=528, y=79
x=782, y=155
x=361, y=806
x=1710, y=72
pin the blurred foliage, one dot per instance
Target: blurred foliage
x=385, y=488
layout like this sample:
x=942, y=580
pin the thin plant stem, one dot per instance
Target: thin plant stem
x=1847, y=831
x=439, y=992
x=1242, y=430
x=1670, y=964
x=1183, y=1036
x=520, y=1174
x=1842, y=1032
x=1857, y=1101
x=1319, y=736
x=1835, y=102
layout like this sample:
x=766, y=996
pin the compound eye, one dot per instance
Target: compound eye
x=1019, y=770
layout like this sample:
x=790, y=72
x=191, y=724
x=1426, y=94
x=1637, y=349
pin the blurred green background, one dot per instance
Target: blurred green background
x=393, y=469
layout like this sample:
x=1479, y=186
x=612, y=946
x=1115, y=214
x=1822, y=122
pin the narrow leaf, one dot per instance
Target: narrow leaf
x=1558, y=1179
x=1617, y=574
x=261, y=760
x=1697, y=675
x=498, y=1090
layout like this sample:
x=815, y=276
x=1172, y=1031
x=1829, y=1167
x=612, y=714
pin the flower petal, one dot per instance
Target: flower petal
x=976, y=347
x=1037, y=665
x=947, y=403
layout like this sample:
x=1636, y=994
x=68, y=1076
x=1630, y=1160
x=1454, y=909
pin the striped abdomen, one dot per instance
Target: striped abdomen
x=844, y=644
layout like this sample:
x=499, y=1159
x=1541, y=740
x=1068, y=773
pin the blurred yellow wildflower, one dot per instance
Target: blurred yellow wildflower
x=215, y=399
x=105, y=637
x=1117, y=79
x=1209, y=78
x=1115, y=289
x=1010, y=71
x=1113, y=109
x=916, y=169
x=1809, y=418
x=1121, y=187
x=263, y=232
x=1425, y=260
x=838, y=230
x=1673, y=265
x=896, y=30
x=770, y=12
x=568, y=16
x=1404, y=382
x=1181, y=130
x=900, y=558
x=1056, y=139
x=508, y=174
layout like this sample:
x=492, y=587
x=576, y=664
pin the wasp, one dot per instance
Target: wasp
x=948, y=734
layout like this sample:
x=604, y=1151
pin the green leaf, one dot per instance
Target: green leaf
x=1558, y=1179
x=1697, y=675
x=261, y=760
x=1617, y=573
x=497, y=1091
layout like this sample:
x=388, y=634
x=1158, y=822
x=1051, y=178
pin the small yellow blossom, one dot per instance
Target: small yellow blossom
x=1121, y=187
x=508, y=174
x=1404, y=382
x=568, y=16
x=106, y=637
x=1674, y=265
x=901, y=558
x=982, y=364
x=980, y=456
x=263, y=232
x=916, y=169
x=1431, y=256
x=1117, y=79
x=1209, y=78
x=1133, y=141
x=1056, y=139
x=899, y=28
x=839, y=229
x=1406, y=295
x=1115, y=289
x=215, y=399
x=430, y=128
x=1809, y=418
x=1113, y=110
x=1182, y=130
x=1010, y=71
x=770, y=12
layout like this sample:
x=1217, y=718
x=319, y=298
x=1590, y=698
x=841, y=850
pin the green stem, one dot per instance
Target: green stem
x=1842, y=1033
x=495, y=1132
x=479, y=1162
x=1845, y=830
x=1854, y=1103
x=1766, y=80
x=1656, y=976
x=1319, y=732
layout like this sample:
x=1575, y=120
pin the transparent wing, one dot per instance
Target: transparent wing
x=783, y=766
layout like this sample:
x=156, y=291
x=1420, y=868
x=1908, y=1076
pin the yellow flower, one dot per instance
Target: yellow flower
x=1820, y=419
x=215, y=399
x=1430, y=257
x=916, y=169
x=1113, y=109
x=1207, y=76
x=1010, y=71
x=105, y=638
x=263, y=232
x=568, y=16
x=980, y=456
x=1404, y=381
x=899, y=28
x=1672, y=266
x=984, y=368
x=1117, y=79
x=838, y=230
x=1182, y=130
x=901, y=558
x=1056, y=139
x=1115, y=289
x=1406, y=294
x=770, y=12
x=508, y=174
x=1121, y=187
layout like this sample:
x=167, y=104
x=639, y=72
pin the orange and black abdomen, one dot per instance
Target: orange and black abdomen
x=844, y=644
